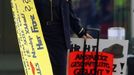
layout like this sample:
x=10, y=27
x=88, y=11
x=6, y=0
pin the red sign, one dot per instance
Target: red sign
x=104, y=66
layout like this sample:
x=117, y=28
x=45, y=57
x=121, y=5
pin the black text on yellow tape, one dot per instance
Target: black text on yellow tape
x=30, y=38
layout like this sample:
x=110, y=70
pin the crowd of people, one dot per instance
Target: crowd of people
x=101, y=14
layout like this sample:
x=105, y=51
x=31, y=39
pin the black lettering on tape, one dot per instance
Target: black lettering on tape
x=25, y=67
x=16, y=8
x=38, y=69
x=23, y=37
x=25, y=24
x=32, y=46
x=34, y=54
x=18, y=23
x=28, y=8
x=34, y=28
x=31, y=42
x=28, y=53
x=26, y=1
x=40, y=44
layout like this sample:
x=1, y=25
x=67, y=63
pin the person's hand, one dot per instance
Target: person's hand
x=87, y=36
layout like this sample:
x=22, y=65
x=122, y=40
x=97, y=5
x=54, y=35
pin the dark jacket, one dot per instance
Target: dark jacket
x=70, y=21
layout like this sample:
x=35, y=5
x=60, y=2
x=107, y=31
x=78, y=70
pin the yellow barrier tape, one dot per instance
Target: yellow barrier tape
x=33, y=49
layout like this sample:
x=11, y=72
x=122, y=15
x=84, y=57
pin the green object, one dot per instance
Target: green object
x=119, y=3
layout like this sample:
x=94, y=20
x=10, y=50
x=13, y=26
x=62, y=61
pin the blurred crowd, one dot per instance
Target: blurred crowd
x=101, y=14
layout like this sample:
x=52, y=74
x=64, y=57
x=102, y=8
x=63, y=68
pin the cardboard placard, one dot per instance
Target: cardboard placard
x=118, y=48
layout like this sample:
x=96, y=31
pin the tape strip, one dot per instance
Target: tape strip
x=33, y=49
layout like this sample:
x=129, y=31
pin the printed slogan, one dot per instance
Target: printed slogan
x=105, y=62
x=112, y=59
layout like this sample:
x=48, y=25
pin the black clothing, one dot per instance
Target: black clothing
x=57, y=33
x=44, y=10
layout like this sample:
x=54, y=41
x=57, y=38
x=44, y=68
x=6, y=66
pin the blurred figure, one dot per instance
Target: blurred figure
x=105, y=17
x=57, y=19
x=86, y=11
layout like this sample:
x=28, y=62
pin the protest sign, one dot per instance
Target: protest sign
x=118, y=48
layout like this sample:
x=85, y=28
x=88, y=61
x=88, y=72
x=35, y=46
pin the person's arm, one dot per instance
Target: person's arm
x=76, y=24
